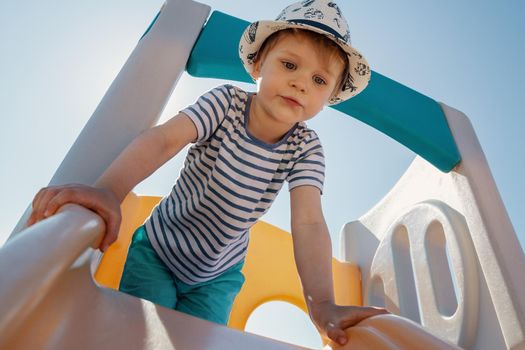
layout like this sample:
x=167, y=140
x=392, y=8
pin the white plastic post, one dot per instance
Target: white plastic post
x=137, y=96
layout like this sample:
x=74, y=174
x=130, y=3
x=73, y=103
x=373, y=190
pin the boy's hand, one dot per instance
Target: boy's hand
x=332, y=319
x=102, y=201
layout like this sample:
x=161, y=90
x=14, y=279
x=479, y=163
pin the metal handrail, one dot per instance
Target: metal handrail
x=31, y=262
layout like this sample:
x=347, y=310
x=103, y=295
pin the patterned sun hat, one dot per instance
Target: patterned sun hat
x=320, y=16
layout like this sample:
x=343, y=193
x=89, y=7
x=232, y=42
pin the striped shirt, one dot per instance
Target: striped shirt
x=229, y=180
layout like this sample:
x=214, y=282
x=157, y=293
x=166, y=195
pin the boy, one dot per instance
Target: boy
x=189, y=253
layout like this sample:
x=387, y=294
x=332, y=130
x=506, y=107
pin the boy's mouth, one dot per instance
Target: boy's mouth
x=291, y=101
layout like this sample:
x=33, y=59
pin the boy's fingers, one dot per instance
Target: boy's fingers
x=114, y=226
x=108, y=239
x=53, y=204
x=368, y=311
x=336, y=334
x=30, y=221
x=41, y=202
x=361, y=313
x=38, y=196
x=373, y=311
x=349, y=316
x=35, y=207
x=57, y=199
x=112, y=221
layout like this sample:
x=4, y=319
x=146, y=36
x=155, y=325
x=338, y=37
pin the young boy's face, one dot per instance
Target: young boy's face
x=294, y=81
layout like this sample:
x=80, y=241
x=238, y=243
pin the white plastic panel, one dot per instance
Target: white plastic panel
x=427, y=265
x=469, y=211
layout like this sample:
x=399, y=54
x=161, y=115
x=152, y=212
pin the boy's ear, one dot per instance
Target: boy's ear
x=256, y=71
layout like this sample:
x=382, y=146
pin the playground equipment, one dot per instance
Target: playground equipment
x=438, y=250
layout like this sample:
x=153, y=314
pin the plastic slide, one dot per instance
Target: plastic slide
x=439, y=250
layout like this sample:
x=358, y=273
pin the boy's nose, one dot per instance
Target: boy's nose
x=299, y=84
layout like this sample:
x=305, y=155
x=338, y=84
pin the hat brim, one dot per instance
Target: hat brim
x=257, y=32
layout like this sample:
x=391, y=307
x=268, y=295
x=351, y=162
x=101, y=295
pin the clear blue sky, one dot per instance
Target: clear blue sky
x=59, y=57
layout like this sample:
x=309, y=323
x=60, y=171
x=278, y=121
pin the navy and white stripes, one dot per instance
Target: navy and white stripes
x=228, y=182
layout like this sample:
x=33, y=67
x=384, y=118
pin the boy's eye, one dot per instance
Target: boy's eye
x=288, y=65
x=319, y=80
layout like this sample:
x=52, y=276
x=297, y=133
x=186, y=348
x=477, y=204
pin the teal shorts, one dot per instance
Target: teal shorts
x=146, y=276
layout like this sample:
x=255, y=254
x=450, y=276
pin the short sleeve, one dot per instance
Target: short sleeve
x=209, y=111
x=309, y=168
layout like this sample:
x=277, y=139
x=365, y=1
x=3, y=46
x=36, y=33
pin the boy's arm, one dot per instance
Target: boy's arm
x=145, y=154
x=312, y=244
x=313, y=257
